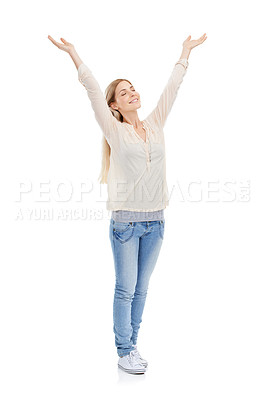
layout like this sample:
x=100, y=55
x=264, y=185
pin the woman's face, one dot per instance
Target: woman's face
x=124, y=94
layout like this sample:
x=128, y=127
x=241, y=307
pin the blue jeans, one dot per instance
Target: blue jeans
x=136, y=247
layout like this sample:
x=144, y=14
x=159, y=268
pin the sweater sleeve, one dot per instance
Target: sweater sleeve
x=160, y=113
x=103, y=115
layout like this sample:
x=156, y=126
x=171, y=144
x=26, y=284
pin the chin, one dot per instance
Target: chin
x=136, y=106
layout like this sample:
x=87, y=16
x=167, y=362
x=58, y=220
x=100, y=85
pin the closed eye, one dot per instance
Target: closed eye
x=133, y=90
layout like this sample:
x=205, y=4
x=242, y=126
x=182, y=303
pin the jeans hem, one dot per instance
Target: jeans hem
x=124, y=354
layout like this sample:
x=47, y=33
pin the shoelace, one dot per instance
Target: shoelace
x=131, y=358
x=137, y=355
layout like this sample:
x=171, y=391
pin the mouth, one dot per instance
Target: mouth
x=133, y=101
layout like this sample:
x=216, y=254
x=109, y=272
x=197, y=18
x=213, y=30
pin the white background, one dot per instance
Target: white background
x=203, y=330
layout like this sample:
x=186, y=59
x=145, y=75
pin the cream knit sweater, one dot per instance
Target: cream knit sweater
x=137, y=175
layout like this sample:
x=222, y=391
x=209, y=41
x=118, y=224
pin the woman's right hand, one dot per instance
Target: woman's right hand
x=68, y=47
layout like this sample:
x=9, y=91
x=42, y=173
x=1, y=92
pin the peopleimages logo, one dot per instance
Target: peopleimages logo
x=65, y=200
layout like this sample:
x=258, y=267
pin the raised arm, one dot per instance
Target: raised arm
x=103, y=115
x=159, y=115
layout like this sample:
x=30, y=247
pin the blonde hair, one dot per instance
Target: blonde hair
x=106, y=149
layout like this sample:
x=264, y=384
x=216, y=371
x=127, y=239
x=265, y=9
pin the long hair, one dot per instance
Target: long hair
x=106, y=149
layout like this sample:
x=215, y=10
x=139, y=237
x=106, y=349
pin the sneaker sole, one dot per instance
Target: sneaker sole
x=130, y=371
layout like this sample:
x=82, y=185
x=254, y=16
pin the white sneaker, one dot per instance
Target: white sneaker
x=138, y=356
x=130, y=364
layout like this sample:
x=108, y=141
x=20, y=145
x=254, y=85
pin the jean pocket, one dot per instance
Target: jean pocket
x=123, y=231
x=161, y=228
x=122, y=226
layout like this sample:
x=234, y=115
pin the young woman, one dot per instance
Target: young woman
x=133, y=166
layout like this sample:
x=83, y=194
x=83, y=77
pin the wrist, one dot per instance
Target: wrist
x=185, y=52
x=72, y=51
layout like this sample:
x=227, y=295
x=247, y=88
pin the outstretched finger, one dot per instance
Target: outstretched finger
x=64, y=41
x=52, y=40
x=202, y=38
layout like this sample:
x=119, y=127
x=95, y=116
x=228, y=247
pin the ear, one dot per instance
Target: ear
x=113, y=105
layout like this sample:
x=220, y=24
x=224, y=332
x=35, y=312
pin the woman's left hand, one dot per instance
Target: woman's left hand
x=190, y=44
